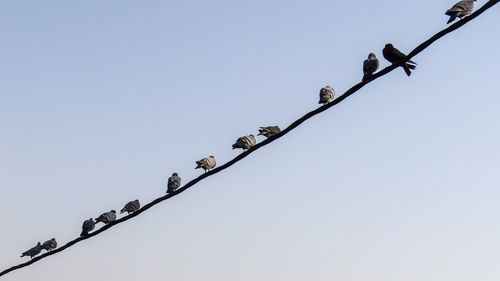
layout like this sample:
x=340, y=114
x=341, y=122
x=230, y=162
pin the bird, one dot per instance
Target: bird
x=131, y=207
x=173, y=183
x=326, y=94
x=49, y=245
x=33, y=251
x=460, y=9
x=87, y=226
x=269, y=131
x=206, y=163
x=370, y=65
x=245, y=142
x=393, y=55
x=106, y=217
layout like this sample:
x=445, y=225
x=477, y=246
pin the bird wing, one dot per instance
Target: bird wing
x=461, y=6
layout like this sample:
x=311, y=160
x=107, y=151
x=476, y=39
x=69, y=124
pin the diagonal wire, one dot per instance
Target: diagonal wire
x=292, y=126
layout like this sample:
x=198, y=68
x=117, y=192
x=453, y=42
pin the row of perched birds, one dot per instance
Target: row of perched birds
x=173, y=183
x=460, y=10
x=393, y=55
x=326, y=95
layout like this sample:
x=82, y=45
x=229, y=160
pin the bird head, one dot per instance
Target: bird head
x=389, y=45
x=175, y=175
x=371, y=56
x=113, y=211
x=39, y=244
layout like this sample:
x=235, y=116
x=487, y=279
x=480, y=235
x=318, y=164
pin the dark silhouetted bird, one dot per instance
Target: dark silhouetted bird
x=269, y=131
x=245, y=142
x=87, y=226
x=326, y=94
x=206, y=163
x=33, y=251
x=50, y=245
x=370, y=65
x=460, y=10
x=394, y=55
x=130, y=207
x=173, y=183
x=106, y=217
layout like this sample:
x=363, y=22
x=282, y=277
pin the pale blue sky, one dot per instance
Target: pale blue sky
x=100, y=101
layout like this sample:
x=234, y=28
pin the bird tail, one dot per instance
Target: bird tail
x=452, y=18
x=407, y=69
x=122, y=211
x=411, y=66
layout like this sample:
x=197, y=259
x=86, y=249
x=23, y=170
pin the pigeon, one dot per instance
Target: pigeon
x=87, y=226
x=173, y=183
x=394, y=55
x=461, y=9
x=370, y=65
x=326, y=94
x=50, y=245
x=106, y=217
x=245, y=142
x=269, y=131
x=206, y=163
x=130, y=207
x=33, y=251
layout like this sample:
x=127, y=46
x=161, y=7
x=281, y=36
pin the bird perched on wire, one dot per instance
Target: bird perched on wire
x=87, y=226
x=460, y=10
x=245, y=142
x=370, y=65
x=173, y=183
x=206, y=163
x=33, y=251
x=106, y=217
x=49, y=245
x=130, y=207
x=269, y=131
x=326, y=94
x=393, y=55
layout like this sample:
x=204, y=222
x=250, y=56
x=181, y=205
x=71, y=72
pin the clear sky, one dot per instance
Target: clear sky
x=100, y=101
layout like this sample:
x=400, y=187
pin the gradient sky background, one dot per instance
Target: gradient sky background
x=100, y=101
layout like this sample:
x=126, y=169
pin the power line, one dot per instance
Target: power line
x=292, y=126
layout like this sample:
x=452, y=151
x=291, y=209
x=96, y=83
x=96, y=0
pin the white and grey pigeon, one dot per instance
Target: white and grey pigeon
x=370, y=65
x=460, y=10
x=326, y=94
x=87, y=226
x=173, y=183
x=206, y=163
x=33, y=251
x=269, y=131
x=130, y=207
x=49, y=245
x=106, y=217
x=245, y=142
